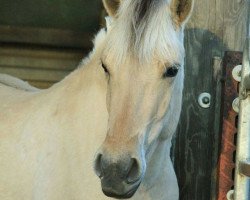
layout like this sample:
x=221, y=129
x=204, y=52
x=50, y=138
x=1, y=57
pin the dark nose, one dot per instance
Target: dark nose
x=122, y=170
x=120, y=176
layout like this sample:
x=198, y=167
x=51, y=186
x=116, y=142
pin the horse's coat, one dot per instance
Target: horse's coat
x=49, y=138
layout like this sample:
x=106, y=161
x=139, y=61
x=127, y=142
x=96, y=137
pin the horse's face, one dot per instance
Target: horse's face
x=139, y=97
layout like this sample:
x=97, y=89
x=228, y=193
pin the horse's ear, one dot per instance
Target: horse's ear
x=181, y=10
x=111, y=6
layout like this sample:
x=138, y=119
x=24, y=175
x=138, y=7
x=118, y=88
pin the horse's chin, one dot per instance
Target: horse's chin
x=126, y=195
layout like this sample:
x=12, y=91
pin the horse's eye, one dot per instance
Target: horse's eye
x=105, y=68
x=171, y=71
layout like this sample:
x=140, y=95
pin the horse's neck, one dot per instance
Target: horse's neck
x=73, y=128
x=82, y=78
x=159, y=175
x=158, y=160
x=79, y=85
x=78, y=102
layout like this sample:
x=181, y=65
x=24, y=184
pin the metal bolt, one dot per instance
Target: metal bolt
x=237, y=73
x=204, y=100
x=236, y=105
x=230, y=195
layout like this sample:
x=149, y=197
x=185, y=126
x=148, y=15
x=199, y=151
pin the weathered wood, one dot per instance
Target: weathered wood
x=216, y=26
x=41, y=84
x=218, y=79
x=41, y=67
x=77, y=15
x=59, y=59
x=45, y=36
x=35, y=74
x=34, y=34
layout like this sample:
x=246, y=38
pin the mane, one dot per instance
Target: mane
x=16, y=83
x=144, y=28
x=97, y=47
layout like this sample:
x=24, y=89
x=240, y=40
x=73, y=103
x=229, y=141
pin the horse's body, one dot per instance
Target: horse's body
x=49, y=138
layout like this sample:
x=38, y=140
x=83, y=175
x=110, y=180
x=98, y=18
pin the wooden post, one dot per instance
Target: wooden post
x=216, y=26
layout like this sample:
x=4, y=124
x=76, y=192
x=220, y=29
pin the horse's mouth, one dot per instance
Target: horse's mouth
x=127, y=195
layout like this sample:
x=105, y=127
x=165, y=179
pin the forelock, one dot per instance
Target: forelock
x=142, y=8
x=144, y=29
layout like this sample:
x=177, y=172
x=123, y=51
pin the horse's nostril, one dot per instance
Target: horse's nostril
x=98, y=165
x=134, y=172
x=125, y=169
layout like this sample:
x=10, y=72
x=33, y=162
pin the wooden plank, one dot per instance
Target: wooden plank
x=42, y=67
x=214, y=28
x=62, y=14
x=218, y=81
x=38, y=63
x=40, y=84
x=40, y=58
x=45, y=36
x=34, y=74
x=40, y=52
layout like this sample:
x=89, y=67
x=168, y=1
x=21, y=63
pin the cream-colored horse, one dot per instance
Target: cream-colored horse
x=113, y=117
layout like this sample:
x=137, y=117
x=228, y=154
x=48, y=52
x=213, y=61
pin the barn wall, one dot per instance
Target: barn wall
x=215, y=27
x=44, y=40
x=40, y=67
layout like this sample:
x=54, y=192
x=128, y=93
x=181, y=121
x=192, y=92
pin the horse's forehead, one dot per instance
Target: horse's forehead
x=145, y=41
x=134, y=63
x=119, y=50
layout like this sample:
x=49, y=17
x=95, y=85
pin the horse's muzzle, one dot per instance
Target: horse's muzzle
x=120, y=178
x=114, y=194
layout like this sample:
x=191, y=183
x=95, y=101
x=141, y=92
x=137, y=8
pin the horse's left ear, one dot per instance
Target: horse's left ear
x=111, y=7
x=181, y=10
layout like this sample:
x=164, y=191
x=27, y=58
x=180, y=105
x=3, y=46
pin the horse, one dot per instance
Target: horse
x=105, y=130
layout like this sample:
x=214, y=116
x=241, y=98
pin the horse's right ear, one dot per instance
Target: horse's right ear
x=111, y=6
x=181, y=10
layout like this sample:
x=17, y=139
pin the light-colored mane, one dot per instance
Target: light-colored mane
x=17, y=83
x=144, y=35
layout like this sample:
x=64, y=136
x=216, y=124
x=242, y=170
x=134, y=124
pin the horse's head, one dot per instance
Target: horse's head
x=143, y=61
